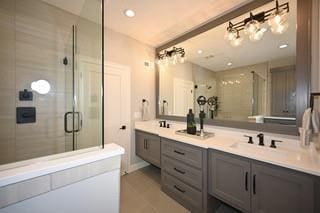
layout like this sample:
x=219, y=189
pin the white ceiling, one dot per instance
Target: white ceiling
x=158, y=21
x=213, y=43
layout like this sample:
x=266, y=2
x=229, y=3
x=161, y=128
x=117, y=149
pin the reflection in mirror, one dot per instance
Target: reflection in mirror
x=245, y=68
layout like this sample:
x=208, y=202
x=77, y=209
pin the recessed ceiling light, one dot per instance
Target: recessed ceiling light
x=229, y=64
x=200, y=51
x=283, y=46
x=129, y=13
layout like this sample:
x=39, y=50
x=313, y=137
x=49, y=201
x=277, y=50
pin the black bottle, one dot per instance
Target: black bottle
x=191, y=124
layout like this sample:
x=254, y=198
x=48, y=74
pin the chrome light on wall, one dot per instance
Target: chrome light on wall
x=174, y=56
x=276, y=18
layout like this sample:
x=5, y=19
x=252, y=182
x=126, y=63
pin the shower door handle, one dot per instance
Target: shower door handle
x=66, y=122
x=79, y=117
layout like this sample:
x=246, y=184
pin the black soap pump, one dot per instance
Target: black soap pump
x=191, y=124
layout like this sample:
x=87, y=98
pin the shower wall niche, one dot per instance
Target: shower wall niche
x=53, y=50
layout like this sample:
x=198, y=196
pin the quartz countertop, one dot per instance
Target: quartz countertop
x=24, y=170
x=287, y=154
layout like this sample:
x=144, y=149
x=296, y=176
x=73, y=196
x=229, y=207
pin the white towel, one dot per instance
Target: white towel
x=306, y=119
x=145, y=110
x=315, y=121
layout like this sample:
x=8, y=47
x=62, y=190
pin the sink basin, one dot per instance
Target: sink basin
x=261, y=151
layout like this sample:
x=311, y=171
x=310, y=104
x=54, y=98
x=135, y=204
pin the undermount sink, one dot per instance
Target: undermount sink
x=264, y=151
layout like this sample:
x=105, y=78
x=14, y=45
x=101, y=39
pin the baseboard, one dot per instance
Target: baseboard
x=137, y=166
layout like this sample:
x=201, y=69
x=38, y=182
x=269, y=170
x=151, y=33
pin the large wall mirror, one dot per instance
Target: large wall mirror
x=246, y=67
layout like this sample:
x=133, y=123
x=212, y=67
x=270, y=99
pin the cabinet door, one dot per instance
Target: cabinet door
x=229, y=179
x=153, y=149
x=141, y=150
x=278, y=190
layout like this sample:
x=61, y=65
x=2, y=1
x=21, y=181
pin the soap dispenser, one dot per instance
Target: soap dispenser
x=191, y=124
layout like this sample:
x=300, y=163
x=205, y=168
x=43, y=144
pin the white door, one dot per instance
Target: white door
x=117, y=109
x=183, y=97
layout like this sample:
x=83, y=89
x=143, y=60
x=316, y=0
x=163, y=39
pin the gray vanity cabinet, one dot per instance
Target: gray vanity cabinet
x=184, y=174
x=229, y=180
x=277, y=190
x=256, y=187
x=148, y=147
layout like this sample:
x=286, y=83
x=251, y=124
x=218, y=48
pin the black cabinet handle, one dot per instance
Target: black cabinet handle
x=144, y=144
x=254, y=184
x=246, y=181
x=147, y=144
x=180, y=190
x=180, y=153
x=178, y=170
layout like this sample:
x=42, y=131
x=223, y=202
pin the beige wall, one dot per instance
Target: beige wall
x=126, y=51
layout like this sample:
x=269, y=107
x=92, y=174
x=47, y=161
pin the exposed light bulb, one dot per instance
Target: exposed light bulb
x=251, y=27
x=231, y=34
x=257, y=36
x=278, y=22
x=236, y=42
x=182, y=60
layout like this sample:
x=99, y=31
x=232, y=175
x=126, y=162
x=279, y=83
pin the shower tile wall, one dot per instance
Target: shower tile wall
x=34, y=39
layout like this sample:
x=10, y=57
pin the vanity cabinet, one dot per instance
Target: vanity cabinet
x=184, y=174
x=252, y=186
x=148, y=147
x=276, y=189
x=229, y=180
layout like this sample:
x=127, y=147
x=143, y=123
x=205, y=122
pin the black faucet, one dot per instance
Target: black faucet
x=163, y=124
x=261, y=139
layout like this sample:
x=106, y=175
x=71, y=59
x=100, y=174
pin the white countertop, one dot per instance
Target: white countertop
x=287, y=154
x=24, y=170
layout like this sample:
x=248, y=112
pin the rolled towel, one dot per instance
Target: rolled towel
x=306, y=119
x=315, y=121
x=145, y=110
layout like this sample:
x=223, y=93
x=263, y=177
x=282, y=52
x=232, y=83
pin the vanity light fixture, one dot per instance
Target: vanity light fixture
x=171, y=56
x=276, y=18
x=283, y=46
x=129, y=13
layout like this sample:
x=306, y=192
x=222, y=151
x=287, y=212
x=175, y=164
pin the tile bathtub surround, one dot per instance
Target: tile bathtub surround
x=34, y=39
x=24, y=182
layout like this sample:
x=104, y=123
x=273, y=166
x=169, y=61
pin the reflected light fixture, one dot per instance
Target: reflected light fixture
x=129, y=13
x=276, y=18
x=200, y=51
x=229, y=64
x=171, y=56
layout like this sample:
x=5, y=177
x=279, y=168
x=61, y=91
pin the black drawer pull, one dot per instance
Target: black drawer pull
x=178, y=170
x=180, y=153
x=180, y=190
x=246, y=181
x=254, y=184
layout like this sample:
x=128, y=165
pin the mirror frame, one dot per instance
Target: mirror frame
x=303, y=66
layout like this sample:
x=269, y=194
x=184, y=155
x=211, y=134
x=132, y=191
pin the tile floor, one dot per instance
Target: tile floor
x=141, y=193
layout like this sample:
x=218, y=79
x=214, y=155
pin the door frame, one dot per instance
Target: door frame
x=127, y=71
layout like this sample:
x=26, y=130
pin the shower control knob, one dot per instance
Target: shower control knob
x=123, y=127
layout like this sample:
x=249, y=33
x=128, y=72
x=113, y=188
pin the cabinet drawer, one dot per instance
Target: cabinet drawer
x=184, y=194
x=185, y=153
x=183, y=172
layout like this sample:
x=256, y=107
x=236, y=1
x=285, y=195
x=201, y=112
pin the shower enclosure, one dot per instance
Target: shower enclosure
x=50, y=77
